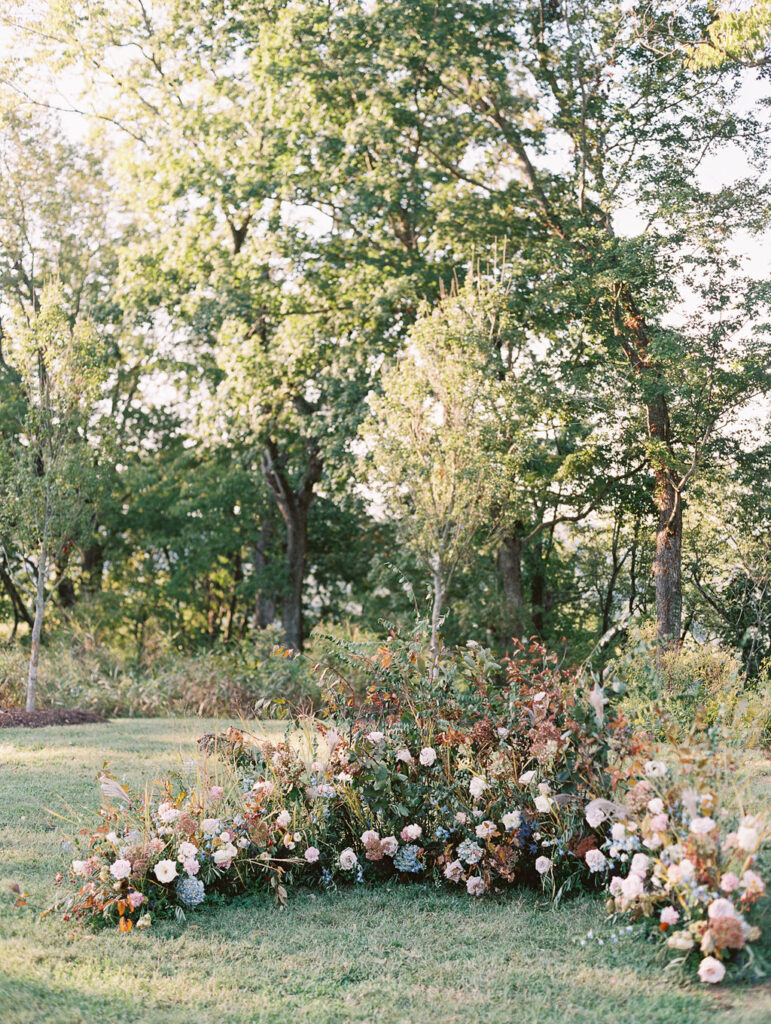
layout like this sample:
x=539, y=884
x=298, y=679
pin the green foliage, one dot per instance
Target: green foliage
x=690, y=688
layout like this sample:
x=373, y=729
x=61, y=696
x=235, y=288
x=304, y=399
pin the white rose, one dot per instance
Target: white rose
x=594, y=816
x=702, y=826
x=543, y=804
x=477, y=787
x=511, y=820
x=312, y=854
x=404, y=755
x=656, y=805
x=427, y=756
x=375, y=736
x=186, y=851
x=618, y=831
x=542, y=865
x=225, y=854
x=595, y=860
x=526, y=778
x=165, y=870
x=747, y=838
x=284, y=819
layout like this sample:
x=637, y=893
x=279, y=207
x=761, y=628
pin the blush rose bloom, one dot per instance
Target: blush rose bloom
x=542, y=865
x=410, y=832
x=348, y=859
x=475, y=886
x=284, y=819
x=711, y=971
x=669, y=916
x=120, y=869
x=191, y=866
x=753, y=884
x=729, y=882
x=640, y=864
x=312, y=855
x=389, y=845
x=453, y=871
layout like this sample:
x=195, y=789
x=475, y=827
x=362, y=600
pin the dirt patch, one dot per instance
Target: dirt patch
x=17, y=717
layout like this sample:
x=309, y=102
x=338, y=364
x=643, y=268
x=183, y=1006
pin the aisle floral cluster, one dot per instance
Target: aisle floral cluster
x=683, y=867
x=437, y=775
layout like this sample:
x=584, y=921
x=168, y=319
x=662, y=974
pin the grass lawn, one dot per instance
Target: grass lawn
x=408, y=953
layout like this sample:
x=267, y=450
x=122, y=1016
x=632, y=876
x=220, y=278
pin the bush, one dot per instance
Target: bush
x=673, y=691
x=80, y=669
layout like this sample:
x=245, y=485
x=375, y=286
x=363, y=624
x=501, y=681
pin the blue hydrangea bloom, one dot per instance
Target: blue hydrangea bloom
x=190, y=891
x=406, y=859
x=469, y=852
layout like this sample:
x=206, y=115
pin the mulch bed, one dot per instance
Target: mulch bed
x=18, y=717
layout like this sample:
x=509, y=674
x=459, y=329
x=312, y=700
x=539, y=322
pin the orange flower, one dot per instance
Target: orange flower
x=125, y=924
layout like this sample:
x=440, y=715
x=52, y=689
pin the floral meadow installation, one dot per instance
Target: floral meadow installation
x=454, y=770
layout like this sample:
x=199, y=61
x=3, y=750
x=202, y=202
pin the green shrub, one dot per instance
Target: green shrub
x=694, y=686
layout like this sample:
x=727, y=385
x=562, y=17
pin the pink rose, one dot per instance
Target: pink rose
x=120, y=869
x=711, y=971
x=669, y=916
x=475, y=886
x=410, y=832
x=136, y=899
x=729, y=882
x=312, y=855
x=659, y=822
x=720, y=907
x=191, y=866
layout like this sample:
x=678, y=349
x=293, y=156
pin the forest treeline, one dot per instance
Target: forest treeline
x=314, y=309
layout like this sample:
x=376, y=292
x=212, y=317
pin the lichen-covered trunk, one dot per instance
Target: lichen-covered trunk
x=667, y=562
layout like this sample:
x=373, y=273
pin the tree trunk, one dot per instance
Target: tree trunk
x=93, y=567
x=538, y=591
x=510, y=567
x=37, y=629
x=292, y=618
x=19, y=608
x=264, y=602
x=667, y=564
x=294, y=506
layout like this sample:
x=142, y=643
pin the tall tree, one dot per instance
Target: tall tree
x=48, y=479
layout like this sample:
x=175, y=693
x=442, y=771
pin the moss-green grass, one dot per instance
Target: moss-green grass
x=405, y=953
